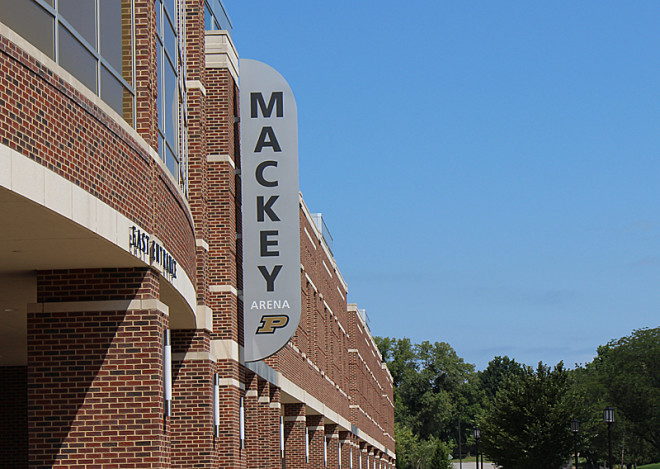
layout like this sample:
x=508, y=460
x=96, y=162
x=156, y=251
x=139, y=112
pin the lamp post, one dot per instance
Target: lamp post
x=575, y=428
x=460, y=446
x=608, y=416
x=477, y=435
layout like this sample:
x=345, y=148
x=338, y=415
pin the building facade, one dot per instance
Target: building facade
x=120, y=260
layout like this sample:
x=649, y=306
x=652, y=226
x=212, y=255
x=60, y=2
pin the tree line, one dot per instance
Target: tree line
x=524, y=413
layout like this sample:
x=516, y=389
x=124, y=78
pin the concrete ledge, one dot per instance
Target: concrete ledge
x=109, y=305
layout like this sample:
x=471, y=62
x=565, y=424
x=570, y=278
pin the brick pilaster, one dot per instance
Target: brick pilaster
x=228, y=449
x=271, y=454
x=346, y=443
x=192, y=408
x=95, y=370
x=294, y=435
x=254, y=437
x=332, y=438
x=316, y=434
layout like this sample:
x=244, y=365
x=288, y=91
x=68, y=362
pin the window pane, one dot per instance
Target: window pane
x=161, y=147
x=208, y=18
x=161, y=87
x=110, y=37
x=112, y=91
x=170, y=6
x=30, y=21
x=75, y=58
x=172, y=164
x=158, y=18
x=170, y=40
x=81, y=14
x=171, y=106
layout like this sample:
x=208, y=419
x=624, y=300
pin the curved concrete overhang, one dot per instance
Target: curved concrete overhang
x=49, y=223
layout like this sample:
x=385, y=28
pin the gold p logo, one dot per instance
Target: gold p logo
x=269, y=324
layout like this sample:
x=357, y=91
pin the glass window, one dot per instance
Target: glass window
x=115, y=36
x=32, y=22
x=110, y=33
x=159, y=94
x=76, y=58
x=172, y=164
x=171, y=110
x=171, y=97
x=210, y=22
x=112, y=91
x=81, y=14
x=170, y=6
x=170, y=40
x=78, y=41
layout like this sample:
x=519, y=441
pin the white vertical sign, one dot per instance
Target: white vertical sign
x=271, y=226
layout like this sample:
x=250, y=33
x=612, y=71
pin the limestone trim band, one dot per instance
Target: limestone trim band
x=201, y=243
x=221, y=159
x=196, y=85
x=25, y=177
x=193, y=357
x=223, y=289
x=107, y=305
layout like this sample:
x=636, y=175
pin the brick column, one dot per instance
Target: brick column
x=267, y=430
x=253, y=434
x=346, y=443
x=227, y=447
x=332, y=437
x=192, y=406
x=271, y=455
x=222, y=259
x=364, y=456
x=316, y=434
x=95, y=370
x=294, y=436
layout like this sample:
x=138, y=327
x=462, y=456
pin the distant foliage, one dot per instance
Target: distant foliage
x=431, y=384
x=526, y=425
x=524, y=413
x=625, y=375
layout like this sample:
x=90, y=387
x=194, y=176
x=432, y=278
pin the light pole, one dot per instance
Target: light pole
x=608, y=416
x=460, y=446
x=477, y=435
x=575, y=428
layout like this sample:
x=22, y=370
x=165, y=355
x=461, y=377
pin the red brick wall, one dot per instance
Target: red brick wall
x=191, y=424
x=50, y=122
x=95, y=386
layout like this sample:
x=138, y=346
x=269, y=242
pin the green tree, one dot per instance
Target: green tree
x=527, y=424
x=498, y=370
x=413, y=453
x=431, y=384
x=626, y=375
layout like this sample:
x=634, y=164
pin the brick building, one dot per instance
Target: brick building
x=120, y=260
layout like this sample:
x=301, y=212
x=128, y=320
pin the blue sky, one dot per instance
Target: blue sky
x=488, y=170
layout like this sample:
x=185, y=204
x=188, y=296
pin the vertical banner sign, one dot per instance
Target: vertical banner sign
x=271, y=227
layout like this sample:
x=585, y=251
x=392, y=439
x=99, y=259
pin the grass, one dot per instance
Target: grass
x=650, y=466
x=473, y=458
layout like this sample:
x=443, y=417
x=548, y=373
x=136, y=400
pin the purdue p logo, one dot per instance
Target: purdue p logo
x=269, y=324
